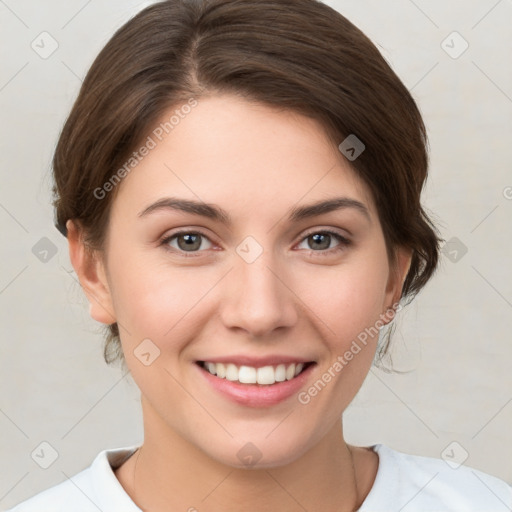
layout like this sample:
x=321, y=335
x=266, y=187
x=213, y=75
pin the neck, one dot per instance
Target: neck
x=169, y=473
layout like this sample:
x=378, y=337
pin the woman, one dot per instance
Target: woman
x=239, y=183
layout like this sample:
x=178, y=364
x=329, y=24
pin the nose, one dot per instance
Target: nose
x=258, y=298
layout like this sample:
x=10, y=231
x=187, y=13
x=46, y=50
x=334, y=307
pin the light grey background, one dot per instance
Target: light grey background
x=454, y=339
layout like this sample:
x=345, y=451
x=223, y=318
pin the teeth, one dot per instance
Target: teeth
x=221, y=370
x=250, y=375
x=280, y=373
x=231, y=372
x=247, y=375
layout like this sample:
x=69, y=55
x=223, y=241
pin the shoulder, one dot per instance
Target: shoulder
x=61, y=496
x=95, y=488
x=414, y=483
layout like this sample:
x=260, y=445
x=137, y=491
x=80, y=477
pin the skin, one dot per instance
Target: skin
x=256, y=163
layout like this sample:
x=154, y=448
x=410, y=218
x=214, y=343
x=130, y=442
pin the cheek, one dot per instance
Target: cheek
x=348, y=298
x=158, y=301
x=347, y=304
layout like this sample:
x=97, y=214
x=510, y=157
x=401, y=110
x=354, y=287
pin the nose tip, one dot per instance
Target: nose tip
x=258, y=299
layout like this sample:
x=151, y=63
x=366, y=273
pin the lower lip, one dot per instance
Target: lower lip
x=257, y=395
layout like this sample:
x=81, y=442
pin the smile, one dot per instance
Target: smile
x=265, y=375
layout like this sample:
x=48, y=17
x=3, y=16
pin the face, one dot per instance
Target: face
x=256, y=287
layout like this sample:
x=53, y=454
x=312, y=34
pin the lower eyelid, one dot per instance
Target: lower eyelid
x=166, y=240
x=343, y=242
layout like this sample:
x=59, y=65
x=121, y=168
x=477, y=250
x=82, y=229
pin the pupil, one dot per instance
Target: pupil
x=325, y=236
x=190, y=240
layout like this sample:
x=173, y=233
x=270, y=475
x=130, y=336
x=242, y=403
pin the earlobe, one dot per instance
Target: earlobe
x=90, y=270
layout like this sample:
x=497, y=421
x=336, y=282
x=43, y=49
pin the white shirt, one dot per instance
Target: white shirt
x=405, y=483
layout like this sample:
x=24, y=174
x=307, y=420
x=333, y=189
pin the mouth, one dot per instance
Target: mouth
x=257, y=376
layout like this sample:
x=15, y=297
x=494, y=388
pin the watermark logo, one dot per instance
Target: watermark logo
x=146, y=352
x=352, y=147
x=44, y=455
x=454, y=455
x=454, y=45
x=249, y=454
x=45, y=45
x=44, y=250
x=249, y=249
x=454, y=249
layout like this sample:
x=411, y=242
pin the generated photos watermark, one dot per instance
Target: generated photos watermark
x=151, y=142
x=304, y=397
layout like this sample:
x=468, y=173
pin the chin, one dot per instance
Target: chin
x=259, y=451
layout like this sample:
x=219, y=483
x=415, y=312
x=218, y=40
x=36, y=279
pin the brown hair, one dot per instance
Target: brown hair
x=299, y=55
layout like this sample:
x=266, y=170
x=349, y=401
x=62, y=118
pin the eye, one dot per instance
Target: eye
x=321, y=240
x=188, y=241
x=191, y=242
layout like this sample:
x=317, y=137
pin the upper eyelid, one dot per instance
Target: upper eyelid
x=336, y=231
x=306, y=234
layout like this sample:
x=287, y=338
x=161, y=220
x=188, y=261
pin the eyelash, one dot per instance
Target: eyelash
x=343, y=242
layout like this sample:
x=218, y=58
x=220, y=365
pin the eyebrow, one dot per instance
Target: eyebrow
x=218, y=214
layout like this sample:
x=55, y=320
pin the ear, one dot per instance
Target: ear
x=90, y=269
x=396, y=280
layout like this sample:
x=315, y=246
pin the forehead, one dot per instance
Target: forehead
x=237, y=153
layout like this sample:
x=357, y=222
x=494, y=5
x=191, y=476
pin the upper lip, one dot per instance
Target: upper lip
x=257, y=362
